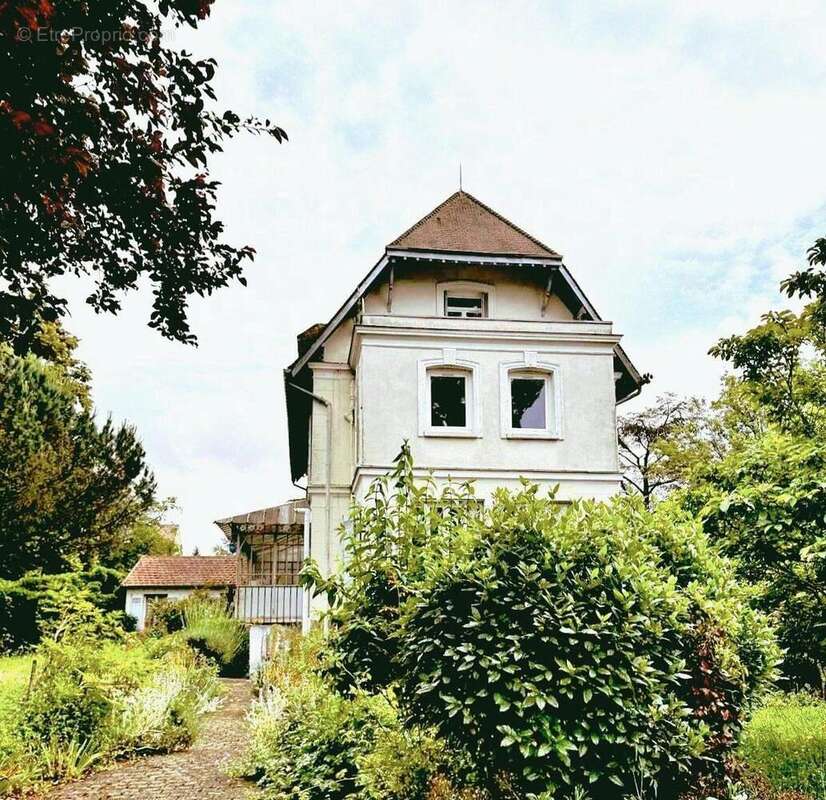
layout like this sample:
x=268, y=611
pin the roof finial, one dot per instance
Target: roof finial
x=460, y=176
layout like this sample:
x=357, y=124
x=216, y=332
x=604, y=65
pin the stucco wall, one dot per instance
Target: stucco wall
x=389, y=387
x=337, y=386
x=518, y=292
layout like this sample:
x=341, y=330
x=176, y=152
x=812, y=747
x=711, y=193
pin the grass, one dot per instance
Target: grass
x=14, y=677
x=785, y=742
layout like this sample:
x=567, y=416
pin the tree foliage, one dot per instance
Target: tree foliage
x=811, y=282
x=781, y=364
x=105, y=135
x=69, y=488
x=766, y=506
x=660, y=444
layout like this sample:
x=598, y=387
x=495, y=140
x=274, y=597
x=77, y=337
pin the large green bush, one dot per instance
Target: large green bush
x=590, y=645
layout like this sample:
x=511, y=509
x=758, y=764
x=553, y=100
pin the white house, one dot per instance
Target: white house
x=472, y=340
x=156, y=578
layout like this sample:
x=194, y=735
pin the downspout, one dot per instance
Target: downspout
x=329, y=477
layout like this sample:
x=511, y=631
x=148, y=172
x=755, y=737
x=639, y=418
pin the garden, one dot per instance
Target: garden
x=532, y=650
x=91, y=693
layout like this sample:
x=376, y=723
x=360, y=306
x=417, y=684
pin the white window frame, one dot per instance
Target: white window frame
x=471, y=288
x=450, y=366
x=532, y=367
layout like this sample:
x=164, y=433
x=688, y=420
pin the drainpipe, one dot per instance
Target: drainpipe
x=329, y=477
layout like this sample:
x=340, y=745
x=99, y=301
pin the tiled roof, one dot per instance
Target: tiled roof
x=182, y=571
x=463, y=224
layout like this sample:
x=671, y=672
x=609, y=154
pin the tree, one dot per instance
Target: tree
x=69, y=488
x=811, y=282
x=144, y=535
x=659, y=445
x=781, y=365
x=105, y=134
x=764, y=501
x=765, y=505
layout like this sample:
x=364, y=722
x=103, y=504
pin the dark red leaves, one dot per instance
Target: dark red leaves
x=42, y=128
x=107, y=138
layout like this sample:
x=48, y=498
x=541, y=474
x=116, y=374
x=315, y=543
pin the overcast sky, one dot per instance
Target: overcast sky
x=672, y=152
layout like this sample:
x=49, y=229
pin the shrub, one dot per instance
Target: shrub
x=74, y=691
x=164, y=713
x=207, y=626
x=309, y=741
x=211, y=630
x=592, y=645
x=786, y=742
x=93, y=700
x=28, y=604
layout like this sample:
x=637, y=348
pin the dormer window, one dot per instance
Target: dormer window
x=464, y=300
x=466, y=304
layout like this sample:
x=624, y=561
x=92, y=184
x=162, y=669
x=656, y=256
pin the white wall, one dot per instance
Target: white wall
x=136, y=600
x=389, y=387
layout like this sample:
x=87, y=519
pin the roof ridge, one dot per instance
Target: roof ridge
x=551, y=252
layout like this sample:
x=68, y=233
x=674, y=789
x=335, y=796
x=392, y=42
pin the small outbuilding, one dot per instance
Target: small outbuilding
x=156, y=578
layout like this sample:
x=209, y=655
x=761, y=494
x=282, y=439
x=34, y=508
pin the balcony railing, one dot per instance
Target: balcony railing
x=282, y=605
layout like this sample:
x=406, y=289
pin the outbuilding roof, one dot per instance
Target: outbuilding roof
x=184, y=571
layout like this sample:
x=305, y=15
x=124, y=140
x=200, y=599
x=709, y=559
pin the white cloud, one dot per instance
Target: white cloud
x=670, y=151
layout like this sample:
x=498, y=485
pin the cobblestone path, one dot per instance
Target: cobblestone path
x=194, y=774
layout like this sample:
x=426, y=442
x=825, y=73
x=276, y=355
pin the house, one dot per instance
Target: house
x=471, y=339
x=156, y=578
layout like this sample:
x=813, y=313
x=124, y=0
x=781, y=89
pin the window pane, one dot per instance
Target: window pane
x=447, y=401
x=528, y=403
x=465, y=306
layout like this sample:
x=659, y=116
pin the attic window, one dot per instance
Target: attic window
x=471, y=305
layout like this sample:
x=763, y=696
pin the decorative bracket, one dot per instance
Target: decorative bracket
x=390, y=288
x=548, y=290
